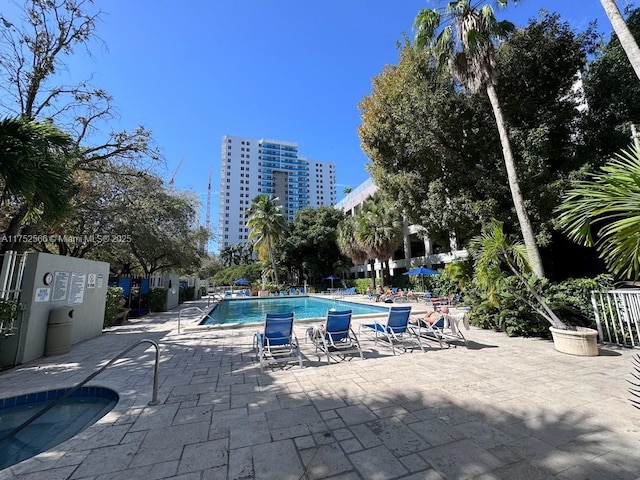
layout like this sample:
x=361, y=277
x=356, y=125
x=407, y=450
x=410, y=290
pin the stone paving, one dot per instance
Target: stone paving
x=504, y=408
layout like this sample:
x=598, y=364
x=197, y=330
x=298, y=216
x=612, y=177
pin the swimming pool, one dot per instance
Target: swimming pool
x=254, y=310
x=80, y=410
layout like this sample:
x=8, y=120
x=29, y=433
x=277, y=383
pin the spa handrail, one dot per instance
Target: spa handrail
x=154, y=399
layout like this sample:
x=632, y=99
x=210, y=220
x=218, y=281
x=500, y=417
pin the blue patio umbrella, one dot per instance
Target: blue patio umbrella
x=422, y=271
x=332, y=278
x=241, y=281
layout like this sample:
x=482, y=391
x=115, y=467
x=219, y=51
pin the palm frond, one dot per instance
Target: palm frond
x=635, y=387
x=425, y=25
x=607, y=204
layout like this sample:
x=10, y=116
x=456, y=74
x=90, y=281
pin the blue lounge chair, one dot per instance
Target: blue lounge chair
x=283, y=293
x=276, y=343
x=336, y=338
x=395, y=330
x=349, y=291
x=441, y=330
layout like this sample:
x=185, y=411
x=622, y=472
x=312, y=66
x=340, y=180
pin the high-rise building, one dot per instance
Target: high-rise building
x=252, y=167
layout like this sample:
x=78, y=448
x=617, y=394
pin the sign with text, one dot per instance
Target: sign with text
x=76, y=288
x=60, y=286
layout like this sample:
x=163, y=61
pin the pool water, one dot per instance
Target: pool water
x=72, y=415
x=254, y=310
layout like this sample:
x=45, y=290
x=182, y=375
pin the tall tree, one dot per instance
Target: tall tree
x=268, y=225
x=310, y=248
x=349, y=245
x=611, y=89
x=624, y=34
x=379, y=230
x=463, y=40
x=31, y=56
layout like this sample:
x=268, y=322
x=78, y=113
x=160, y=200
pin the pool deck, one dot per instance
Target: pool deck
x=503, y=408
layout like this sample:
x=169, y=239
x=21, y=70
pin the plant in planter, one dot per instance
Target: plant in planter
x=492, y=251
x=8, y=316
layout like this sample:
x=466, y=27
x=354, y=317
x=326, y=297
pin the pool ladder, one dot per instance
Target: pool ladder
x=154, y=398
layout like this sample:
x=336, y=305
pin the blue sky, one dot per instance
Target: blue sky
x=292, y=70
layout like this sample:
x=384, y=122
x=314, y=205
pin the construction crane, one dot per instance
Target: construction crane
x=208, y=220
x=173, y=177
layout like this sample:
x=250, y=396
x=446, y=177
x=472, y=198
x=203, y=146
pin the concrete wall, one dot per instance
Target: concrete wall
x=86, y=293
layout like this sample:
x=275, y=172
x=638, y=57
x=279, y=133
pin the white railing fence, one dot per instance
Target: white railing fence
x=11, y=274
x=617, y=315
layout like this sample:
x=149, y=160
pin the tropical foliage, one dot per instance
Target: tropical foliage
x=604, y=210
x=493, y=251
x=268, y=226
x=35, y=171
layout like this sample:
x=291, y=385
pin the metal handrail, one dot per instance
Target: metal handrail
x=154, y=399
x=185, y=309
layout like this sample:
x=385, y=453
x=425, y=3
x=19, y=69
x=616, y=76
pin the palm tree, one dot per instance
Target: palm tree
x=268, y=225
x=607, y=206
x=492, y=251
x=627, y=41
x=379, y=230
x=463, y=41
x=35, y=172
x=348, y=245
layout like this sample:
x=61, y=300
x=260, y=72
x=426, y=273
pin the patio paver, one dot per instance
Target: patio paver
x=503, y=408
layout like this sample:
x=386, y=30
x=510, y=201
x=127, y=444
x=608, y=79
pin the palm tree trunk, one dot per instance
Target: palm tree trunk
x=372, y=271
x=546, y=312
x=273, y=262
x=514, y=185
x=621, y=28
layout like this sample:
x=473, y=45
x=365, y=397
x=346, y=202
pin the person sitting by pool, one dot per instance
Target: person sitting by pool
x=379, y=293
x=411, y=295
x=430, y=318
x=369, y=292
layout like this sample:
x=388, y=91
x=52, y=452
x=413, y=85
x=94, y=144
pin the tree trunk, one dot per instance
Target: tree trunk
x=273, y=261
x=372, y=272
x=621, y=28
x=518, y=202
x=550, y=316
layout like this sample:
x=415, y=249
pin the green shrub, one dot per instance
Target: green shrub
x=112, y=306
x=361, y=284
x=190, y=293
x=571, y=300
x=158, y=299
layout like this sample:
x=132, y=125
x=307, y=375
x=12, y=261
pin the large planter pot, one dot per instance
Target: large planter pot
x=263, y=293
x=576, y=341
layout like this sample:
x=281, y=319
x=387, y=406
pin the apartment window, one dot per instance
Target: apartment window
x=227, y=194
x=229, y=140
